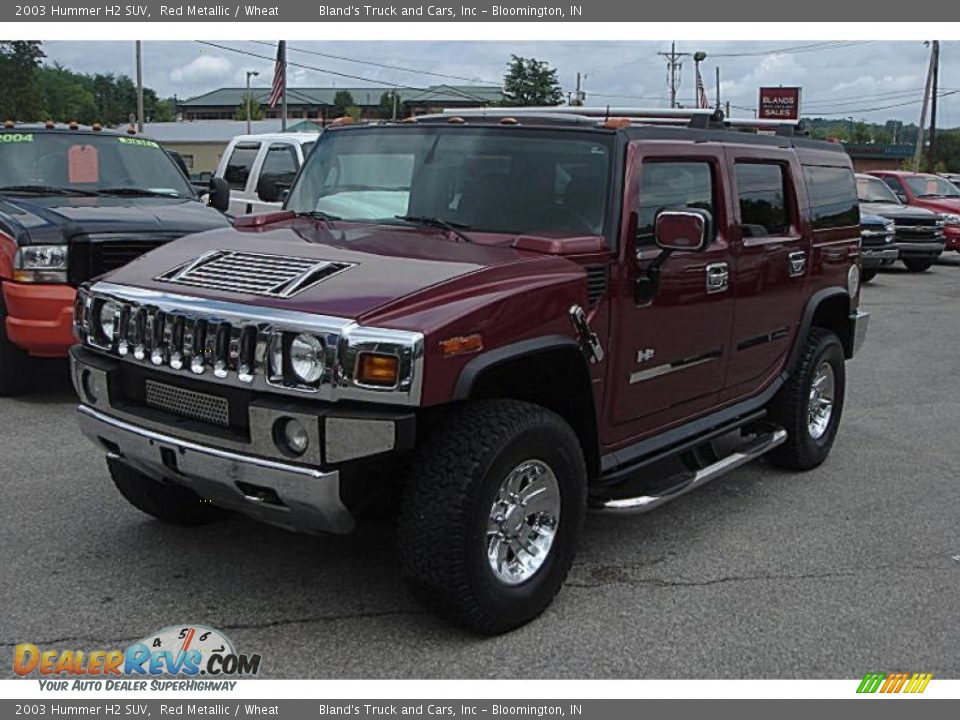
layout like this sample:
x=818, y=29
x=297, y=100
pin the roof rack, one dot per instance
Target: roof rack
x=686, y=117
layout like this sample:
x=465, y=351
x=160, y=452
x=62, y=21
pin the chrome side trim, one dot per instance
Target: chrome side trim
x=771, y=240
x=667, y=368
x=645, y=503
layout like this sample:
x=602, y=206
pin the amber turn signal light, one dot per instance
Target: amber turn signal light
x=377, y=369
x=461, y=345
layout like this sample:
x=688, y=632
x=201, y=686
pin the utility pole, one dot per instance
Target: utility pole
x=248, y=100
x=139, y=86
x=282, y=54
x=674, y=65
x=932, y=152
x=579, y=96
x=718, y=87
x=394, y=103
x=918, y=151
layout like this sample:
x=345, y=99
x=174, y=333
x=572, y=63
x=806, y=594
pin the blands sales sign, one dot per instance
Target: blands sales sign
x=779, y=103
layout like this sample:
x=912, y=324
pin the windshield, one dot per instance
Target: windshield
x=874, y=190
x=87, y=163
x=484, y=179
x=931, y=186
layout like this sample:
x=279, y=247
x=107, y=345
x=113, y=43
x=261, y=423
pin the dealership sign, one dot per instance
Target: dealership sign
x=779, y=103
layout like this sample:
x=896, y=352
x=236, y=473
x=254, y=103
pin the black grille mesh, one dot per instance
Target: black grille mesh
x=188, y=403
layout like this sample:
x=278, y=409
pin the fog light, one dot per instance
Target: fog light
x=291, y=436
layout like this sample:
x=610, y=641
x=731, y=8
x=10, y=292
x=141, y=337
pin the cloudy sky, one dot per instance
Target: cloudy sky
x=873, y=81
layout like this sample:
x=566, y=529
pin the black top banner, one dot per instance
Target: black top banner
x=469, y=11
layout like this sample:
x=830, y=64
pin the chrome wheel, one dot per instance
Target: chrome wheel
x=822, y=395
x=523, y=522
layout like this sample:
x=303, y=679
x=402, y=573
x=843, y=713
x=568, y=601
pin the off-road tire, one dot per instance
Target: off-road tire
x=868, y=275
x=444, y=512
x=14, y=362
x=789, y=408
x=918, y=265
x=173, y=504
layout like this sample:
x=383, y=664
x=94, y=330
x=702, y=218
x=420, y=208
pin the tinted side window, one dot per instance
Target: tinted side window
x=240, y=164
x=833, y=196
x=762, y=190
x=893, y=183
x=280, y=164
x=672, y=185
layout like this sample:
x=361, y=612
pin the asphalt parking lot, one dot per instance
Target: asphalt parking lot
x=851, y=568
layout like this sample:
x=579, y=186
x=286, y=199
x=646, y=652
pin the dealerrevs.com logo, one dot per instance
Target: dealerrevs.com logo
x=178, y=651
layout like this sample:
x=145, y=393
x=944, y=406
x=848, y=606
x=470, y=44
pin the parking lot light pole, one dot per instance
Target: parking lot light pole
x=247, y=98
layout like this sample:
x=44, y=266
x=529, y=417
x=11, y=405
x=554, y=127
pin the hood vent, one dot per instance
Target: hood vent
x=596, y=283
x=253, y=273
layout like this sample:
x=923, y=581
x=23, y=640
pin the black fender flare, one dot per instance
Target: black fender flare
x=514, y=351
x=806, y=320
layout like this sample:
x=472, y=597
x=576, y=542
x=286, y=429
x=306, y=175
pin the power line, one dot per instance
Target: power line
x=379, y=65
x=310, y=67
x=810, y=47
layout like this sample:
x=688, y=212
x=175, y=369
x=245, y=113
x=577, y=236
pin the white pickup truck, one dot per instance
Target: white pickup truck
x=259, y=168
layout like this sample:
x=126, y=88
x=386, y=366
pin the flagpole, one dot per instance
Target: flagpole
x=283, y=111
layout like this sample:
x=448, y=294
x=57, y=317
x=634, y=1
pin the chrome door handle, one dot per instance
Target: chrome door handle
x=798, y=263
x=718, y=277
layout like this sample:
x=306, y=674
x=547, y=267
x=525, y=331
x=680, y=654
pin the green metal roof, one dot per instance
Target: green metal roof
x=362, y=96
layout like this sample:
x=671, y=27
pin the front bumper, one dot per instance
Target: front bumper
x=243, y=468
x=952, y=233
x=39, y=317
x=859, y=321
x=920, y=248
x=876, y=257
x=290, y=496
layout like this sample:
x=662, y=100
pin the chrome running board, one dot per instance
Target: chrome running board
x=645, y=503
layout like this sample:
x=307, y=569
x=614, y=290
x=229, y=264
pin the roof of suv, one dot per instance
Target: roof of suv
x=67, y=128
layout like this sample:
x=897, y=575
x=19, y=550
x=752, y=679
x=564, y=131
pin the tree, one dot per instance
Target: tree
x=353, y=111
x=343, y=100
x=860, y=134
x=531, y=82
x=19, y=64
x=256, y=112
x=388, y=101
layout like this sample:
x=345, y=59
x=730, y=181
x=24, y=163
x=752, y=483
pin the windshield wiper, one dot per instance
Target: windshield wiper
x=45, y=190
x=426, y=221
x=320, y=215
x=138, y=192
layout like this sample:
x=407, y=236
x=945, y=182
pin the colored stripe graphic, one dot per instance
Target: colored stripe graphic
x=890, y=683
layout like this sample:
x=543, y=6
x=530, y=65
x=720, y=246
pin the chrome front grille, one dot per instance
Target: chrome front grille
x=253, y=273
x=188, y=403
x=241, y=345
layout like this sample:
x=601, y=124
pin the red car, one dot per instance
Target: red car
x=930, y=192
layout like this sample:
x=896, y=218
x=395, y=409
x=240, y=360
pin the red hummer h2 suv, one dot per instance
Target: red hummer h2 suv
x=496, y=319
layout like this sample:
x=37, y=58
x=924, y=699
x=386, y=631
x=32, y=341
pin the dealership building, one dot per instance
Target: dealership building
x=319, y=103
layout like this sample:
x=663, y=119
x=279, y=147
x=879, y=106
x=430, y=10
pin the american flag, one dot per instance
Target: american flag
x=279, y=74
x=702, y=101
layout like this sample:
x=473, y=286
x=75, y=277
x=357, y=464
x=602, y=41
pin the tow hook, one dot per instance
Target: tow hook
x=589, y=341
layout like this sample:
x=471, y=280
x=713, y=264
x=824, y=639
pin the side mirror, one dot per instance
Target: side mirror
x=268, y=190
x=219, y=194
x=901, y=196
x=688, y=229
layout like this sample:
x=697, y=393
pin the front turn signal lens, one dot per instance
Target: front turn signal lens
x=377, y=369
x=461, y=345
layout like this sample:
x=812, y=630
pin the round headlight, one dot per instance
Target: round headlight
x=853, y=280
x=107, y=319
x=306, y=358
x=291, y=436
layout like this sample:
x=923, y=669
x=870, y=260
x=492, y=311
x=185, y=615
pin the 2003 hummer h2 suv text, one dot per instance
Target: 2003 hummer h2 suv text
x=499, y=318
